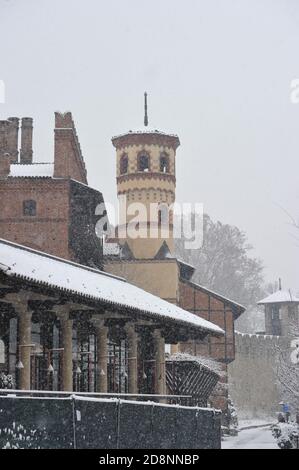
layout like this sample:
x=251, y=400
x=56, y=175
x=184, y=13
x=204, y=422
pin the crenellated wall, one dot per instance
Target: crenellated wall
x=252, y=376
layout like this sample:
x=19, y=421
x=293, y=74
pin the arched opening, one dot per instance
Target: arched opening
x=123, y=164
x=143, y=162
x=164, y=163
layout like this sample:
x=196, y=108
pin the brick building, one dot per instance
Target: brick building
x=48, y=206
x=64, y=325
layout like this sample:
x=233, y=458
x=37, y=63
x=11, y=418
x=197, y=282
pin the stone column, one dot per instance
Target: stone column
x=160, y=382
x=67, y=355
x=24, y=348
x=102, y=358
x=132, y=338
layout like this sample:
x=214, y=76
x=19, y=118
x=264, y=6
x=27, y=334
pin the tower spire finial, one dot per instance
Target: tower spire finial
x=145, y=109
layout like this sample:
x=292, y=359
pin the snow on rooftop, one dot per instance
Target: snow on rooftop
x=32, y=170
x=280, y=296
x=201, y=360
x=17, y=260
x=145, y=130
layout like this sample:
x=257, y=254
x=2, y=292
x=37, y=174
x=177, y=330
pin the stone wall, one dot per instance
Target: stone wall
x=252, y=376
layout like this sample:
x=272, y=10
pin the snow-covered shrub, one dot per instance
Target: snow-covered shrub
x=286, y=434
x=233, y=417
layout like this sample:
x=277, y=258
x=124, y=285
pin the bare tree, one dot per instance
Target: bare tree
x=224, y=264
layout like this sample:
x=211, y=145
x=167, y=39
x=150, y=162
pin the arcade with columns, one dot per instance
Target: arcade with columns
x=86, y=331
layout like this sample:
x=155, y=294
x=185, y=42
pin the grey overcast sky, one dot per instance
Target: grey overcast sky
x=218, y=74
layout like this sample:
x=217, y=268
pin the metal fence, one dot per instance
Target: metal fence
x=97, y=423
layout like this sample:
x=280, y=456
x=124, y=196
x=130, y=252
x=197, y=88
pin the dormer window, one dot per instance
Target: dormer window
x=29, y=208
x=164, y=163
x=143, y=162
x=123, y=164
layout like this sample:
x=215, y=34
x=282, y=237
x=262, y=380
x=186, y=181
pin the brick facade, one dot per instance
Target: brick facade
x=68, y=159
x=62, y=221
x=48, y=229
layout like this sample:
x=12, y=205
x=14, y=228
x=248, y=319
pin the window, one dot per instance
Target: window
x=163, y=214
x=29, y=208
x=275, y=312
x=276, y=317
x=143, y=162
x=123, y=164
x=164, y=163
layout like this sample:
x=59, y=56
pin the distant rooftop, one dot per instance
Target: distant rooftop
x=281, y=296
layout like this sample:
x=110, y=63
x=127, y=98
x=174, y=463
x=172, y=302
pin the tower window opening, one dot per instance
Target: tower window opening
x=29, y=208
x=143, y=162
x=164, y=164
x=124, y=164
x=163, y=215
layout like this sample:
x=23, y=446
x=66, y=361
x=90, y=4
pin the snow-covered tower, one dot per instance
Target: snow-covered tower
x=281, y=312
x=146, y=174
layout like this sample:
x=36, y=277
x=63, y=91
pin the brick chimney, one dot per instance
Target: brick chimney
x=26, y=140
x=68, y=159
x=12, y=139
x=3, y=137
x=4, y=165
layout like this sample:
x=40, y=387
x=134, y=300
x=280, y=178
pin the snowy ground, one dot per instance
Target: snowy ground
x=257, y=438
x=244, y=423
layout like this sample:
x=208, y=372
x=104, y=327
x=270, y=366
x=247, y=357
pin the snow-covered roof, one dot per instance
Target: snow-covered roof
x=145, y=130
x=281, y=296
x=32, y=170
x=34, y=266
x=209, y=363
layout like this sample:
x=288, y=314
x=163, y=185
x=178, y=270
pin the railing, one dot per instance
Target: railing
x=48, y=420
x=184, y=400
